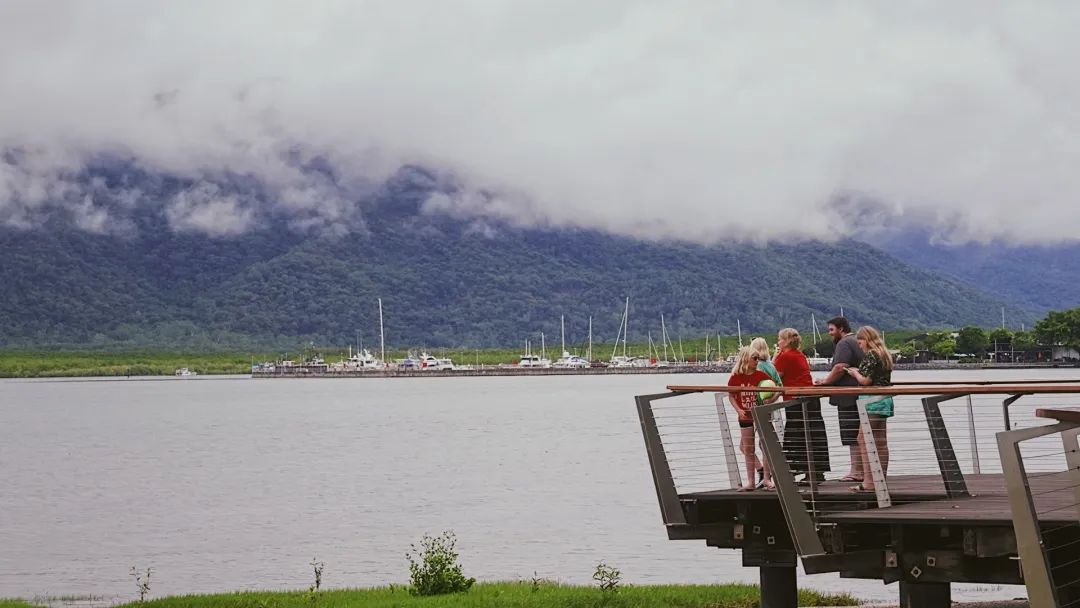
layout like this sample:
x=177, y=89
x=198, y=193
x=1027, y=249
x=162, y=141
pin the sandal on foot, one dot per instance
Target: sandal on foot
x=850, y=478
x=745, y=488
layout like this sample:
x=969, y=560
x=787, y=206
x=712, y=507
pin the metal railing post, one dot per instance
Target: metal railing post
x=976, y=467
x=1005, y=409
x=1072, y=460
x=1029, y=542
x=881, y=489
x=803, y=531
x=734, y=477
x=666, y=493
x=951, y=475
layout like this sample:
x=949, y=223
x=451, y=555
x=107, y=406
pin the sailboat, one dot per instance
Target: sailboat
x=530, y=359
x=568, y=361
x=664, y=361
x=363, y=359
x=622, y=360
x=817, y=359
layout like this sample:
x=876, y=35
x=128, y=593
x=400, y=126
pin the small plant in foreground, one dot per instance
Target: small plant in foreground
x=536, y=580
x=607, y=577
x=313, y=590
x=318, y=567
x=434, y=567
x=142, y=582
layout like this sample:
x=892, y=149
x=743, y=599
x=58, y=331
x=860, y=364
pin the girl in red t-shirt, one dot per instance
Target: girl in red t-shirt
x=746, y=373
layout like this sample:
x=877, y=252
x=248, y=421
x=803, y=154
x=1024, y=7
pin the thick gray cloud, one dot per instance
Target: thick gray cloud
x=699, y=120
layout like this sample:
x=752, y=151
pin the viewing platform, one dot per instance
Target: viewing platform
x=983, y=487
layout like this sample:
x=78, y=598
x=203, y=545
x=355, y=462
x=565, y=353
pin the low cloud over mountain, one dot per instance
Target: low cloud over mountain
x=704, y=121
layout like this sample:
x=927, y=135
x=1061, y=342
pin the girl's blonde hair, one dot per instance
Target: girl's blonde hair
x=760, y=349
x=792, y=336
x=875, y=344
x=745, y=362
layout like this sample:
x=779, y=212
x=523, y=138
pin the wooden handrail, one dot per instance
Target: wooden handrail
x=1061, y=414
x=926, y=389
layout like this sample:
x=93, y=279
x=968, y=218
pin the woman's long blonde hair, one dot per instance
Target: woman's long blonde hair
x=745, y=362
x=760, y=349
x=794, y=340
x=875, y=344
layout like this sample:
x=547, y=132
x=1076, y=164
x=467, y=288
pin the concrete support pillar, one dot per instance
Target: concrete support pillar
x=925, y=595
x=779, y=587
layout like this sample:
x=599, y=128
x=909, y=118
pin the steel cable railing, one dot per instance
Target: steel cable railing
x=943, y=443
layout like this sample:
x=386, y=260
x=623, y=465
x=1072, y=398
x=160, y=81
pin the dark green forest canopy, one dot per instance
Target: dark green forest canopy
x=445, y=287
x=444, y=282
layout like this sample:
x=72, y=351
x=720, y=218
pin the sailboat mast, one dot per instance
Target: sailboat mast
x=622, y=323
x=562, y=327
x=626, y=324
x=663, y=335
x=706, y=348
x=543, y=348
x=590, y=338
x=738, y=324
x=382, y=337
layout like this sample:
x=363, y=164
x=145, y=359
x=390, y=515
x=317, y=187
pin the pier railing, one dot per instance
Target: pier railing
x=983, y=461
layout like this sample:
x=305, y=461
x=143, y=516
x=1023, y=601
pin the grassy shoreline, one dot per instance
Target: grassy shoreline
x=69, y=363
x=484, y=595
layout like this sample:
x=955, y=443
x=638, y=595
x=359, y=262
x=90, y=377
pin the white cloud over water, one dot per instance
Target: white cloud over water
x=698, y=120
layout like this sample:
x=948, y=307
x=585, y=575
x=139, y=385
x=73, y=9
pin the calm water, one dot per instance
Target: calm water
x=228, y=483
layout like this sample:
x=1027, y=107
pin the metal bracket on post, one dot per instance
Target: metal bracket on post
x=670, y=507
x=1005, y=409
x=951, y=475
x=803, y=531
x=1029, y=543
x=734, y=478
x=881, y=488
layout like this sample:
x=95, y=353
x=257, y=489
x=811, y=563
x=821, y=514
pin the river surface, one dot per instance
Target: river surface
x=231, y=483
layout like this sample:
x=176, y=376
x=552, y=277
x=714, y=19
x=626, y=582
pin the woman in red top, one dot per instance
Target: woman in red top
x=794, y=370
x=746, y=373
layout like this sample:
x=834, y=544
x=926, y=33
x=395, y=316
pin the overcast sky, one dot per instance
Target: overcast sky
x=699, y=120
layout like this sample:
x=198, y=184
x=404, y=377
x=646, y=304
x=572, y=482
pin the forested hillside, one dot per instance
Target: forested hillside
x=1042, y=278
x=444, y=281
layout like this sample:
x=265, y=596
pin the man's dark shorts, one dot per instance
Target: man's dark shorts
x=848, y=412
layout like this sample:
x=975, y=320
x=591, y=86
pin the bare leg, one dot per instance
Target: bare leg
x=881, y=440
x=856, y=460
x=877, y=427
x=766, y=475
x=864, y=459
x=746, y=444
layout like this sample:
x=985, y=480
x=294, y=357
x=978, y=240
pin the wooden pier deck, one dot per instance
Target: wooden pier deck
x=929, y=530
x=921, y=499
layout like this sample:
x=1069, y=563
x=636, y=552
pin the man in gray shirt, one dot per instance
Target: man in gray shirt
x=846, y=354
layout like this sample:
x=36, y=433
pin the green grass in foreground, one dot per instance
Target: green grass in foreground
x=500, y=595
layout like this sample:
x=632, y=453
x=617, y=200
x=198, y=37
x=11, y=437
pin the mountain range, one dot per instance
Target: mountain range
x=452, y=281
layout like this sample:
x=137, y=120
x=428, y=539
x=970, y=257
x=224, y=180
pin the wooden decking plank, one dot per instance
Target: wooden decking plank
x=921, y=499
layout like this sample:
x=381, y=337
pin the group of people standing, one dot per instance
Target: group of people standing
x=859, y=359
